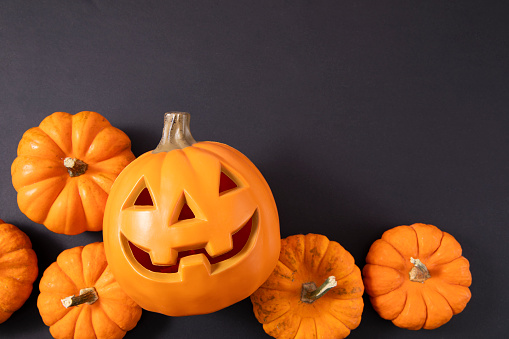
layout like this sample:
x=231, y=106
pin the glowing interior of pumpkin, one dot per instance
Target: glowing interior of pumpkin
x=239, y=238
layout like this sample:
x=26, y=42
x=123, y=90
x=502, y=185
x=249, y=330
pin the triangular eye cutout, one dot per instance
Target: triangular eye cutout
x=186, y=212
x=226, y=183
x=144, y=199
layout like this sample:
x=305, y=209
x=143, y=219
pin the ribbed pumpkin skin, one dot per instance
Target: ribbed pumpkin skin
x=310, y=258
x=410, y=304
x=47, y=194
x=18, y=269
x=111, y=316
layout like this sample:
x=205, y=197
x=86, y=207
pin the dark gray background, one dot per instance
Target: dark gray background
x=362, y=116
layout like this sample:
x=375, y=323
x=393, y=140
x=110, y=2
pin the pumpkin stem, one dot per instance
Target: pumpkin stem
x=310, y=293
x=176, y=132
x=75, y=167
x=418, y=273
x=86, y=296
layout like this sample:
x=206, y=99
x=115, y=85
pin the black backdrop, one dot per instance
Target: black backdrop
x=361, y=115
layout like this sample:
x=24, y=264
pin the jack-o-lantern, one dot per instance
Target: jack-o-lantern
x=190, y=227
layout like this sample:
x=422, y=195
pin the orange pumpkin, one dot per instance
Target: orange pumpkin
x=417, y=277
x=290, y=305
x=18, y=269
x=191, y=227
x=65, y=169
x=80, y=298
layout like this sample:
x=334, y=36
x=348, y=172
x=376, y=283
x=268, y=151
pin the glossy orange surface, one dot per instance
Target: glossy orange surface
x=205, y=237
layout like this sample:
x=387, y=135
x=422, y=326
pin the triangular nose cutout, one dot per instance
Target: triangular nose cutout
x=144, y=198
x=186, y=212
x=226, y=183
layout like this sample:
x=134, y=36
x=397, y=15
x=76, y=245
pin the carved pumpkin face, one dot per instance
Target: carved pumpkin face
x=191, y=230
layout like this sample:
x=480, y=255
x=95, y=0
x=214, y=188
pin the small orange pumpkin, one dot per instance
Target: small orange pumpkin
x=416, y=276
x=65, y=169
x=18, y=269
x=290, y=305
x=80, y=298
x=191, y=227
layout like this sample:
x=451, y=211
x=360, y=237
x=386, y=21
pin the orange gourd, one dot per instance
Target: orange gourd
x=18, y=269
x=65, y=168
x=191, y=227
x=80, y=298
x=417, y=277
x=290, y=305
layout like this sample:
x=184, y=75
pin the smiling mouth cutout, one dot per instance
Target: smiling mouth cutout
x=239, y=239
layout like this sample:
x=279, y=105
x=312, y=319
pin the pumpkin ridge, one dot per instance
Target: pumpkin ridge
x=37, y=157
x=216, y=144
x=187, y=160
x=96, y=181
x=19, y=265
x=402, y=257
x=13, y=298
x=108, y=317
x=443, y=296
x=404, y=303
x=98, y=166
x=452, y=311
x=52, y=122
x=95, y=197
x=15, y=249
x=316, y=326
x=49, y=202
x=283, y=314
x=32, y=161
x=426, y=308
x=410, y=316
x=323, y=257
x=69, y=226
x=109, y=155
x=39, y=129
x=379, y=295
x=87, y=221
x=83, y=259
x=346, y=276
x=105, y=285
x=68, y=277
x=448, y=262
x=56, y=270
x=27, y=279
x=75, y=310
x=341, y=321
x=286, y=266
x=438, y=247
x=86, y=121
x=66, y=310
x=298, y=328
x=417, y=241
